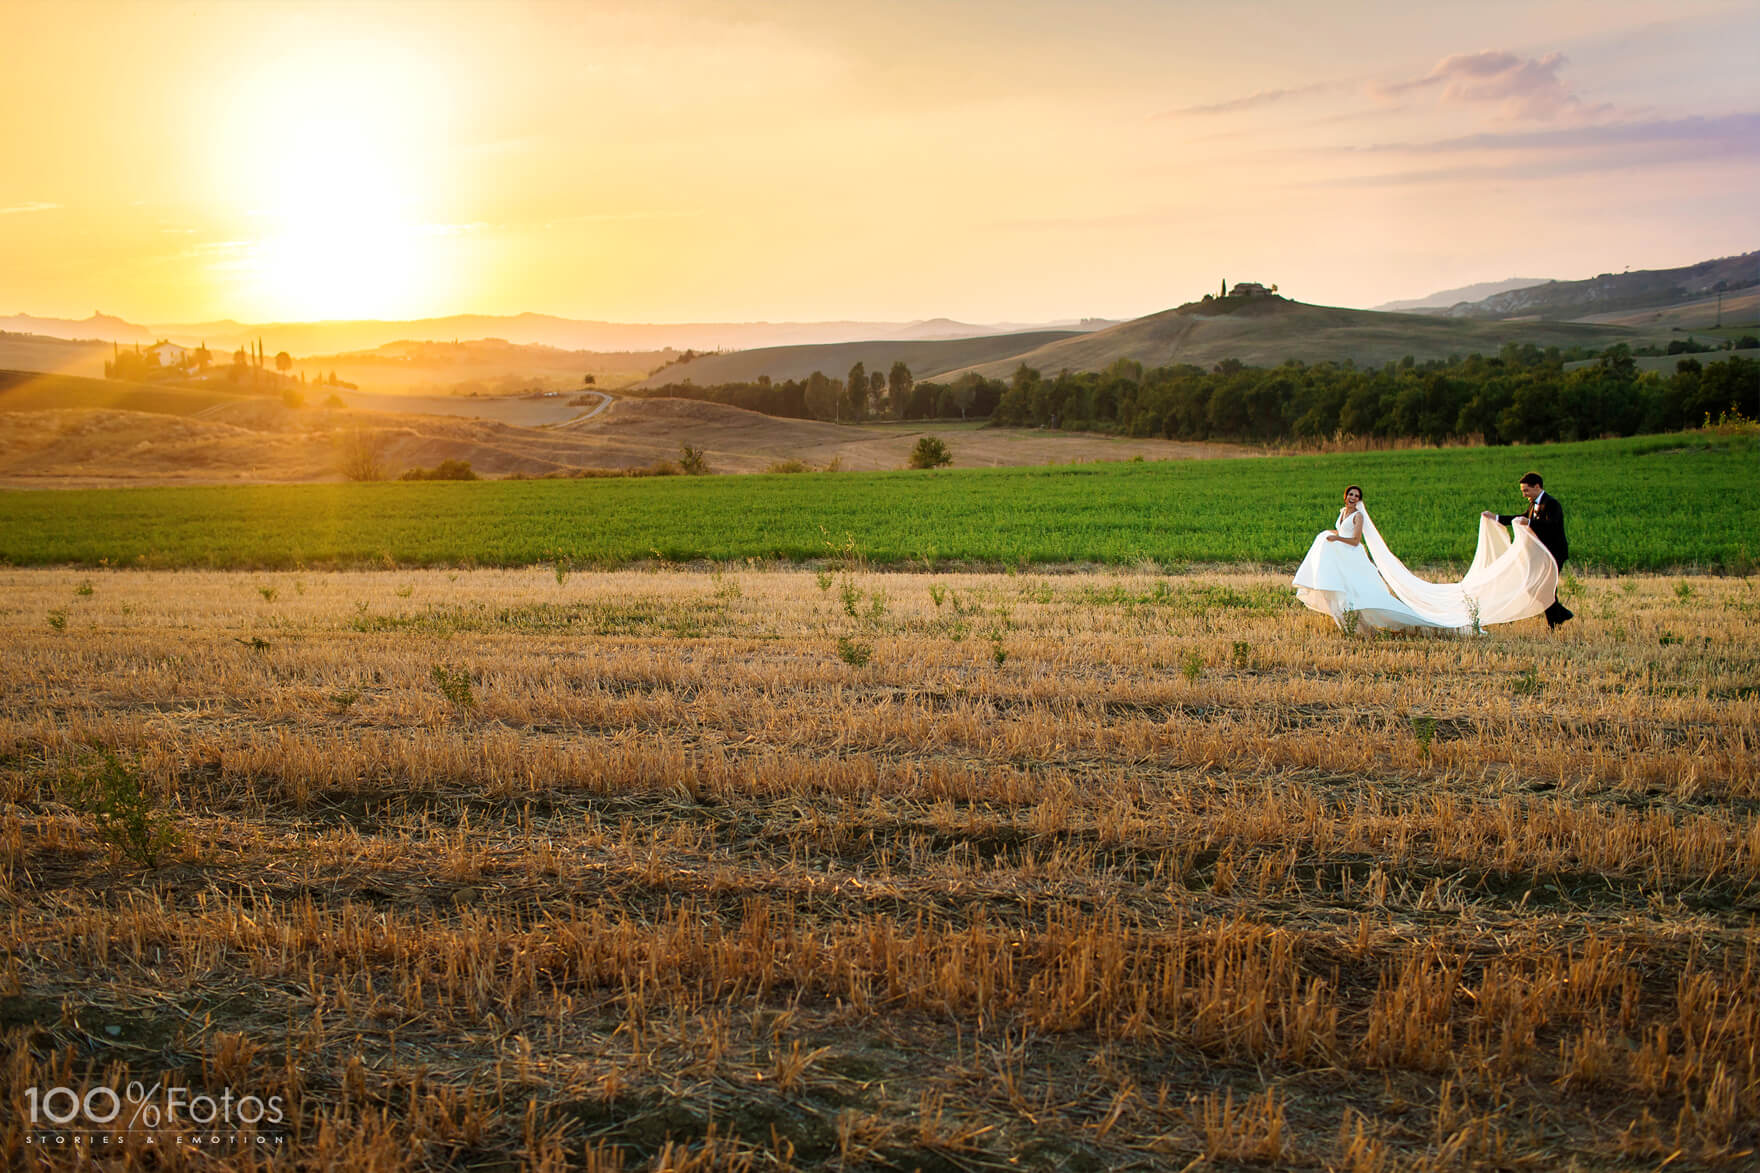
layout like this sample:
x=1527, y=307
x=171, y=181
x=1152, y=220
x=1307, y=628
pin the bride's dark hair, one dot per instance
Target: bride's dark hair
x=1358, y=488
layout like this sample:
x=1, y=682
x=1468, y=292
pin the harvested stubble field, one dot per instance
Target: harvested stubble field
x=767, y=869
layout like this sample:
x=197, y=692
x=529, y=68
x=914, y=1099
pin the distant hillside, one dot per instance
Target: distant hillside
x=486, y=366
x=66, y=438
x=1739, y=313
x=1266, y=331
x=546, y=330
x=925, y=359
x=1611, y=292
x=37, y=352
x=304, y=338
x=36, y=391
x=1452, y=297
x=98, y=327
x=529, y=329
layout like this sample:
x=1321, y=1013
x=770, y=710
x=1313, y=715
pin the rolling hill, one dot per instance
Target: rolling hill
x=67, y=432
x=528, y=329
x=1266, y=331
x=36, y=391
x=1648, y=289
x=37, y=352
x=1450, y=297
x=926, y=359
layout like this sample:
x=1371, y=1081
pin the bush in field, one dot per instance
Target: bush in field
x=693, y=460
x=361, y=455
x=930, y=452
x=126, y=814
x=455, y=685
x=446, y=470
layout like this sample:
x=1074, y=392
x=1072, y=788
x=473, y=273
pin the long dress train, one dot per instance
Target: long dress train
x=1509, y=579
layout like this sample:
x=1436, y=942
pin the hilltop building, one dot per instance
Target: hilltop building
x=1251, y=289
x=169, y=354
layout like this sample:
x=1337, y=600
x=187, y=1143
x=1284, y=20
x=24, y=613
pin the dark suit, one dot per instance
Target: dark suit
x=1546, y=518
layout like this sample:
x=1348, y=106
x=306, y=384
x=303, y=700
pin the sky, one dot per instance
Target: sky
x=813, y=160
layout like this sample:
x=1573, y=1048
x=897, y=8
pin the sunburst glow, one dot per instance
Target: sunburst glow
x=332, y=187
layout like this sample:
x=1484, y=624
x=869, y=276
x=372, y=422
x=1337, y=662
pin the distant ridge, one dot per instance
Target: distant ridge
x=1453, y=297
x=927, y=358
x=99, y=327
x=530, y=329
x=1268, y=331
x=1647, y=288
x=1258, y=331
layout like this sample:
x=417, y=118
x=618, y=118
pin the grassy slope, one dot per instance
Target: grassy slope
x=32, y=352
x=1259, y=333
x=926, y=359
x=1269, y=332
x=31, y=391
x=1651, y=502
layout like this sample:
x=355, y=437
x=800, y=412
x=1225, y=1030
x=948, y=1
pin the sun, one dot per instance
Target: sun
x=342, y=243
x=332, y=187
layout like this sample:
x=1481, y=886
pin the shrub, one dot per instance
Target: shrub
x=1424, y=732
x=446, y=470
x=856, y=655
x=693, y=460
x=127, y=815
x=361, y=455
x=930, y=452
x=455, y=685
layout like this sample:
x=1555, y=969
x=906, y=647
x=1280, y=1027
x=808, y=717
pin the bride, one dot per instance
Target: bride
x=1508, y=580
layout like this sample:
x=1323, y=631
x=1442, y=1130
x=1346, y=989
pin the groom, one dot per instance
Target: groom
x=1546, y=518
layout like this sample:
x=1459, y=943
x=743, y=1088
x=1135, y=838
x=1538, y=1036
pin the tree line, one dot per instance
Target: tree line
x=1522, y=395
x=861, y=396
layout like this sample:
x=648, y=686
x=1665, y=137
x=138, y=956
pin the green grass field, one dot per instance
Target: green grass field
x=1647, y=503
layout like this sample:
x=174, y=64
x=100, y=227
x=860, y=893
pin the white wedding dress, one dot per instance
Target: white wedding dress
x=1508, y=580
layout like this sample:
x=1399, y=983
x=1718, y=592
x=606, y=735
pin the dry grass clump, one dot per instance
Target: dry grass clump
x=644, y=871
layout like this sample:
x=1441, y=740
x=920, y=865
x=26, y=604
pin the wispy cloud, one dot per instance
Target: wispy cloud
x=1636, y=149
x=20, y=209
x=1251, y=101
x=1735, y=134
x=1527, y=88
